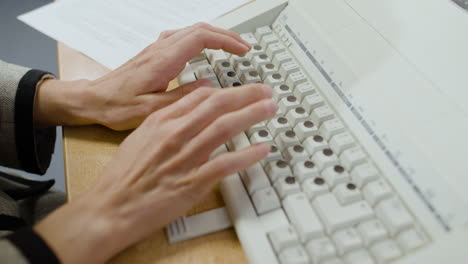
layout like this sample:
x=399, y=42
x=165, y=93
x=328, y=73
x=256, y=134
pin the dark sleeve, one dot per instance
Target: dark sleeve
x=23, y=146
x=32, y=247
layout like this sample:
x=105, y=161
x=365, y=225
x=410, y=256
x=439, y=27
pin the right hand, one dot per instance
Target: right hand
x=159, y=172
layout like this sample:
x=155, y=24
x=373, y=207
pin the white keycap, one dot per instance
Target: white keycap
x=305, y=129
x=187, y=75
x=314, y=144
x=262, y=31
x=278, y=125
x=256, y=50
x=274, y=48
x=255, y=178
x=267, y=69
x=250, y=77
x=262, y=136
x=277, y=169
x=288, y=103
x=386, y=251
x=295, y=154
x=260, y=60
x=352, y=157
x=321, y=114
x=283, y=238
x=206, y=72
x=412, y=239
x=347, y=193
x=294, y=255
x=312, y=101
x=220, y=150
x=335, y=216
x=297, y=115
x=274, y=79
x=286, y=139
x=321, y=249
x=265, y=200
x=273, y=220
x=324, y=158
x=376, y=191
x=215, y=55
x=235, y=60
x=394, y=215
x=359, y=257
x=281, y=91
x=313, y=187
x=333, y=261
x=238, y=142
x=273, y=155
x=199, y=57
x=303, y=217
x=230, y=79
x=249, y=37
x=281, y=58
x=222, y=66
x=372, y=231
x=304, y=89
x=285, y=186
x=346, y=240
x=341, y=142
x=288, y=67
x=331, y=127
x=243, y=67
x=335, y=175
x=255, y=128
x=268, y=39
x=296, y=78
x=364, y=173
x=305, y=169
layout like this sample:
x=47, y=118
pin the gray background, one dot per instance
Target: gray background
x=23, y=45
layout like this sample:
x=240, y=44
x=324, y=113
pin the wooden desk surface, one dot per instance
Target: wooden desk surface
x=86, y=151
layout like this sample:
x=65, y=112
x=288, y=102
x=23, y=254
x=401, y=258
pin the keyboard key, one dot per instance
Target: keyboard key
x=243, y=67
x=352, y=157
x=394, y=215
x=296, y=115
x=205, y=71
x=260, y=60
x=346, y=240
x=342, y=141
x=277, y=169
x=255, y=128
x=222, y=66
x=281, y=58
x=305, y=129
x=283, y=238
x=187, y=75
x=255, y=178
x=296, y=78
x=273, y=220
x=285, y=186
x=335, y=175
x=372, y=231
x=267, y=70
x=230, y=79
x=331, y=128
x=347, y=193
x=262, y=31
x=313, y=187
x=250, y=77
x=314, y=144
x=412, y=239
x=249, y=37
x=273, y=155
x=305, y=169
x=376, y=191
x=278, y=125
x=386, y=251
x=215, y=55
x=321, y=249
x=238, y=59
x=265, y=200
x=321, y=114
x=304, y=89
x=256, y=50
x=288, y=67
x=274, y=48
x=324, y=158
x=363, y=174
x=333, y=261
x=303, y=217
x=294, y=255
x=201, y=56
x=274, y=79
x=262, y=136
x=335, y=216
x=295, y=154
x=288, y=103
x=286, y=139
x=281, y=91
x=312, y=101
x=359, y=257
x=268, y=39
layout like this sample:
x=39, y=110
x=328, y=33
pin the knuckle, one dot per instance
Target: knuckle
x=201, y=25
x=223, y=128
x=219, y=101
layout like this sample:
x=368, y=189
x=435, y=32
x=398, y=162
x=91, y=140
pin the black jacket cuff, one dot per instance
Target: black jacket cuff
x=33, y=247
x=34, y=145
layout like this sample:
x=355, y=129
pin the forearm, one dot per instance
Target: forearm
x=62, y=103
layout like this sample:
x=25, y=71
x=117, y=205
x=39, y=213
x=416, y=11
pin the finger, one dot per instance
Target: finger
x=225, y=101
x=193, y=43
x=231, y=162
x=167, y=34
x=229, y=125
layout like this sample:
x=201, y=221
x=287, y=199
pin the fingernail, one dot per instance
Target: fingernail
x=267, y=90
x=271, y=106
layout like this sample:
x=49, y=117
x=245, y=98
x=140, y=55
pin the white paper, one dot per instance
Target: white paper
x=113, y=31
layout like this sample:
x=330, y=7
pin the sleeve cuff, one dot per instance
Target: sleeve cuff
x=34, y=145
x=33, y=247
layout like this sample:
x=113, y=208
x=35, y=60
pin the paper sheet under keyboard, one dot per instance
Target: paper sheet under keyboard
x=113, y=31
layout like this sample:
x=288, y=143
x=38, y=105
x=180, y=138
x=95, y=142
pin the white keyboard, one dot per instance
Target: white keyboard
x=317, y=197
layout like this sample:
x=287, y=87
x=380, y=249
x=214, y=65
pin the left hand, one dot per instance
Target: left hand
x=123, y=98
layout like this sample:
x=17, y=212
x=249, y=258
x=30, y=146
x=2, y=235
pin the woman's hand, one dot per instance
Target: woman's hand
x=123, y=98
x=159, y=172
